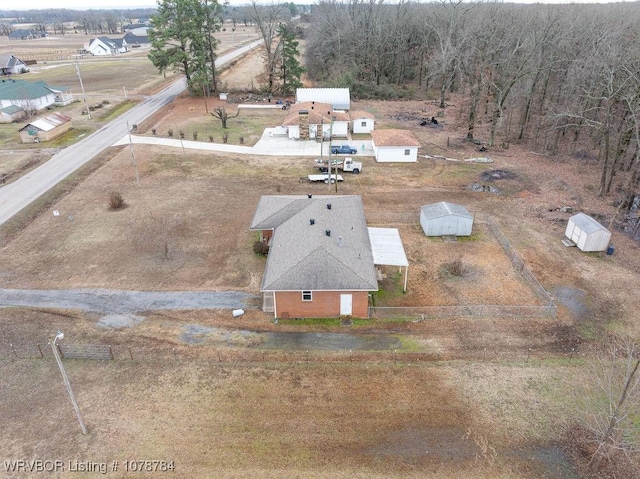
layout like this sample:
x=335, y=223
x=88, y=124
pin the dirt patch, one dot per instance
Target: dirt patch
x=495, y=175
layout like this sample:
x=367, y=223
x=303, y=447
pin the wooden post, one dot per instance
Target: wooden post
x=40, y=349
x=14, y=350
x=110, y=352
x=130, y=354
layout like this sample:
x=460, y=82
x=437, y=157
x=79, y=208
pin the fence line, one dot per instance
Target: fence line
x=253, y=356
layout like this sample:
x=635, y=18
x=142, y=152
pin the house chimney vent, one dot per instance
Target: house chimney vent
x=328, y=206
x=327, y=232
x=309, y=196
x=312, y=222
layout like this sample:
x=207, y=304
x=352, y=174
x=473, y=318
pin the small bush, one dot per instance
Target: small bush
x=170, y=132
x=456, y=268
x=195, y=135
x=242, y=140
x=105, y=102
x=116, y=201
x=153, y=131
x=260, y=247
x=211, y=138
x=181, y=133
x=225, y=138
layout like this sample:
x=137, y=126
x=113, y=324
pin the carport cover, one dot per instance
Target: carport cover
x=386, y=247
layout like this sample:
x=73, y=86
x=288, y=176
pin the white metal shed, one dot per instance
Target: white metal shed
x=587, y=233
x=440, y=219
x=338, y=98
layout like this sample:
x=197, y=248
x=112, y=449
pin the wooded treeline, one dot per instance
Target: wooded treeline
x=563, y=77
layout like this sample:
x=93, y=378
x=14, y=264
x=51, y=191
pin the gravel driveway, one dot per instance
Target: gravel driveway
x=114, y=301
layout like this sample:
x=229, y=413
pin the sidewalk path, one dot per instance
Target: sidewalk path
x=117, y=301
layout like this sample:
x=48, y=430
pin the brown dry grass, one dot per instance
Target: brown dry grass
x=293, y=418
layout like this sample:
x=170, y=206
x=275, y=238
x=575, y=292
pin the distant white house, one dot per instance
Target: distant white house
x=107, y=46
x=443, y=219
x=587, y=233
x=310, y=120
x=338, y=98
x=11, y=113
x=395, y=146
x=362, y=121
x=11, y=65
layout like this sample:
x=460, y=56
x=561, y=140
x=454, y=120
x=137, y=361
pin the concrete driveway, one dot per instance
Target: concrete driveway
x=270, y=144
x=117, y=301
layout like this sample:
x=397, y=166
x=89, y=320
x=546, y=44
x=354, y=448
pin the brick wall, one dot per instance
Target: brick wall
x=324, y=304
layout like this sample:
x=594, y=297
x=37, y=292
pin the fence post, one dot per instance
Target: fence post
x=110, y=352
x=218, y=351
x=130, y=354
x=174, y=354
x=41, y=354
x=528, y=353
x=14, y=350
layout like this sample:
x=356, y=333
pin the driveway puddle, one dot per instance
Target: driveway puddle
x=574, y=299
x=198, y=334
x=330, y=341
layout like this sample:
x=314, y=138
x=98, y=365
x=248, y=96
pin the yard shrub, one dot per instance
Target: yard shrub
x=260, y=247
x=170, y=132
x=181, y=133
x=225, y=138
x=211, y=138
x=242, y=140
x=153, y=131
x=116, y=201
x=195, y=135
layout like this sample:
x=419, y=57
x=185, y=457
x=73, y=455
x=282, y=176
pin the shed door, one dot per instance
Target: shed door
x=450, y=226
x=346, y=304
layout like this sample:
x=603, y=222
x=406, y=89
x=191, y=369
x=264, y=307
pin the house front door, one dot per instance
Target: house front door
x=346, y=304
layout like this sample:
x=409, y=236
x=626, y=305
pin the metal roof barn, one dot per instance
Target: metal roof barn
x=442, y=219
x=587, y=233
x=339, y=98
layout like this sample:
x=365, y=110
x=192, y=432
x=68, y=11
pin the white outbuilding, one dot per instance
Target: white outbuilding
x=338, y=98
x=395, y=145
x=444, y=219
x=587, y=233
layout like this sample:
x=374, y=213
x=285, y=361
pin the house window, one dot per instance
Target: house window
x=363, y=124
x=407, y=152
x=306, y=296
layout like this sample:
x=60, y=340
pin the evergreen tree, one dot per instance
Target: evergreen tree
x=182, y=39
x=291, y=70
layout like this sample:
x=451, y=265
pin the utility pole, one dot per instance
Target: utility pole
x=330, y=139
x=83, y=92
x=133, y=158
x=65, y=379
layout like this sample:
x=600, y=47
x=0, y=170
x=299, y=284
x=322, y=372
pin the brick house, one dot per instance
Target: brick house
x=320, y=263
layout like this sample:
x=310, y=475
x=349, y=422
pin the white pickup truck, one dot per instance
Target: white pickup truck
x=325, y=178
x=346, y=164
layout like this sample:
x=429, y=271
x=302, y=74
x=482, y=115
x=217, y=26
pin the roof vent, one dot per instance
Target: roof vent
x=328, y=206
x=339, y=240
x=312, y=222
x=327, y=232
x=309, y=196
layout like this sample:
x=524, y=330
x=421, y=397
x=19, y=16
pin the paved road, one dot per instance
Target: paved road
x=120, y=302
x=17, y=195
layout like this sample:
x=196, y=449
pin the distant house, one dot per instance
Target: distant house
x=310, y=120
x=107, y=46
x=134, y=40
x=22, y=34
x=32, y=96
x=46, y=128
x=362, y=121
x=338, y=98
x=11, y=113
x=444, y=219
x=320, y=262
x=395, y=146
x=587, y=233
x=11, y=65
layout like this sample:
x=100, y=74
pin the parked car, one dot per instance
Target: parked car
x=343, y=150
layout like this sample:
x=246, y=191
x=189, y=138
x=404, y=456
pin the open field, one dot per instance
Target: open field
x=460, y=398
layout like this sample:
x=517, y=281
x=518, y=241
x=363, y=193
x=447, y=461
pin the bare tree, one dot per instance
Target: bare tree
x=268, y=19
x=220, y=113
x=611, y=401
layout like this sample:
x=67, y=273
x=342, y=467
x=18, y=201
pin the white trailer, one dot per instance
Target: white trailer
x=325, y=178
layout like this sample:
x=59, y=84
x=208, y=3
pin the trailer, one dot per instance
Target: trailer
x=346, y=164
x=325, y=178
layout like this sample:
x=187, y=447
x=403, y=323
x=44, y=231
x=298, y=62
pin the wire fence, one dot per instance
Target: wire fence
x=255, y=356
